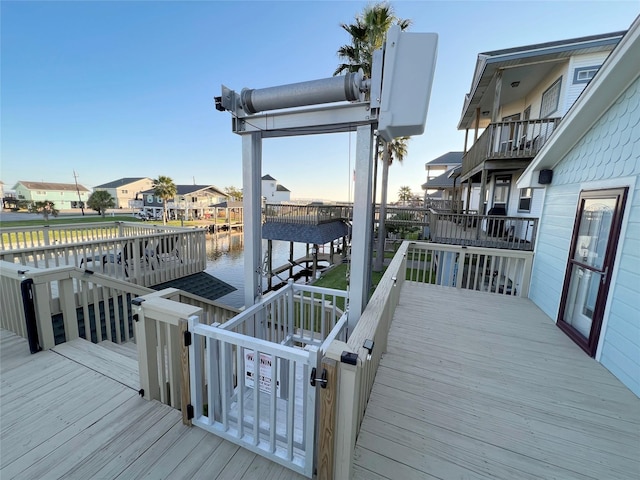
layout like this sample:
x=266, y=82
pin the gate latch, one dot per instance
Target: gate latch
x=322, y=380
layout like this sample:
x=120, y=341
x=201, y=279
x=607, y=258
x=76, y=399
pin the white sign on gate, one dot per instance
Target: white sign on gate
x=266, y=372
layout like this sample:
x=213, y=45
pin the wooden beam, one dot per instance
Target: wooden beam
x=326, y=428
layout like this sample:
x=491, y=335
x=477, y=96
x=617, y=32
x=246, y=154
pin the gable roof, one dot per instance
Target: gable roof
x=444, y=181
x=526, y=65
x=121, y=182
x=614, y=77
x=282, y=188
x=64, y=187
x=449, y=158
x=268, y=177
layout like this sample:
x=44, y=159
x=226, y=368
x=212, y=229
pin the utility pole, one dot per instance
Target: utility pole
x=75, y=177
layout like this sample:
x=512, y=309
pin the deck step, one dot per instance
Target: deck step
x=114, y=365
x=128, y=349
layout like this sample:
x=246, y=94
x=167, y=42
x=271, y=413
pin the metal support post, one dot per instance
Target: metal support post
x=252, y=202
x=362, y=215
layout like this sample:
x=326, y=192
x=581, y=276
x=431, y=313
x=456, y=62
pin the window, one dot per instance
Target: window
x=584, y=74
x=124, y=191
x=550, y=99
x=524, y=205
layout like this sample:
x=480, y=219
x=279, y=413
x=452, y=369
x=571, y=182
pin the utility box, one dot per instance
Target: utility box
x=407, y=77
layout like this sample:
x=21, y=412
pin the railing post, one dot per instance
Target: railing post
x=347, y=416
x=327, y=423
x=68, y=307
x=43, y=314
x=146, y=339
x=45, y=233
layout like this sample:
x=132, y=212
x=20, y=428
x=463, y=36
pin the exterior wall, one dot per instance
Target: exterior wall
x=281, y=196
x=607, y=156
x=269, y=190
x=579, y=61
x=535, y=97
x=126, y=193
x=62, y=199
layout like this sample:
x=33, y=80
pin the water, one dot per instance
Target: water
x=225, y=260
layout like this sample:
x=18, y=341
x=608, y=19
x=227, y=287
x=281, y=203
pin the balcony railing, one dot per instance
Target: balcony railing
x=508, y=140
x=306, y=214
x=493, y=231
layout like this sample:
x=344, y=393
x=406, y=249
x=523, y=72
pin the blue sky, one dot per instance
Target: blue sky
x=119, y=89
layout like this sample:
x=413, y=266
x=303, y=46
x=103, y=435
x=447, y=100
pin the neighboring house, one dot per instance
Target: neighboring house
x=126, y=190
x=519, y=96
x=191, y=201
x=1, y=195
x=273, y=192
x=586, y=271
x=65, y=196
x=443, y=176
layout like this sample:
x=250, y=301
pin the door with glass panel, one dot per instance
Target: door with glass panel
x=593, y=248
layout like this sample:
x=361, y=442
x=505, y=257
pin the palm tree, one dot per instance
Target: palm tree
x=368, y=34
x=165, y=189
x=396, y=149
x=404, y=194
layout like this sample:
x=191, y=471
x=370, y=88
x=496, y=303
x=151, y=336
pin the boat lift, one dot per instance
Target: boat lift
x=392, y=103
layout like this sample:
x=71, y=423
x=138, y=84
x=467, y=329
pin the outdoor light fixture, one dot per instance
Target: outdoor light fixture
x=485, y=113
x=515, y=84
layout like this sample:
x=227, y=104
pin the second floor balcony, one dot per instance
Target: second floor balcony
x=507, y=141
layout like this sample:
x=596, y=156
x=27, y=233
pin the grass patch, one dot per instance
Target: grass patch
x=38, y=221
x=336, y=278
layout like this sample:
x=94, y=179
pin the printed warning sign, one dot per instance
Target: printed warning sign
x=266, y=372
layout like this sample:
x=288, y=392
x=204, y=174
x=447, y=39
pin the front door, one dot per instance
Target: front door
x=593, y=248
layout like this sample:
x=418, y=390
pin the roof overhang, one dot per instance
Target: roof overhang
x=612, y=80
x=527, y=65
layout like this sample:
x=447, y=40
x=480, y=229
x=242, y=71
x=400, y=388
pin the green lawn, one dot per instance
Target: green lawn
x=336, y=278
x=39, y=221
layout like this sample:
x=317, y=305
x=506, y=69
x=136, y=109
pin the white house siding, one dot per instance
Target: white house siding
x=579, y=61
x=535, y=96
x=607, y=156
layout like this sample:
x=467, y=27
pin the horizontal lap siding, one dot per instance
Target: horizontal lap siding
x=552, y=250
x=610, y=150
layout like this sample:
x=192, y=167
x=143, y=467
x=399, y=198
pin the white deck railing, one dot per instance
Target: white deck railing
x=141, y=255
x=506, y=272
x=68, y=303
x=12, y=238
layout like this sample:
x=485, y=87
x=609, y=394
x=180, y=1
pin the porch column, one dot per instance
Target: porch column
x=252, y=203
x=469, y=187
x=361, y=230
x=495, y=113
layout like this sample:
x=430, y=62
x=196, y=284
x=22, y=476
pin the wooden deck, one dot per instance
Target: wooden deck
x=476, y=385
x=65, y=415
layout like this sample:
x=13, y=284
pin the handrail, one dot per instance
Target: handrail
x=354, y=367
x=145, y=259
x=509, y=140
x=80, y=297
x=13, y=238
x=495, y=231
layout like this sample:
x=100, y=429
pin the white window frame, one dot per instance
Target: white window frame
x=589, y=73
x=525, y=193
x=551, y=99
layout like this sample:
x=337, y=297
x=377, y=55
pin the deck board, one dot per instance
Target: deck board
x=63, y=414
x=475, y=385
